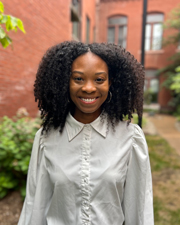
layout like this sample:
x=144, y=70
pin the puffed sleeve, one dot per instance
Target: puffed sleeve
x=138, y=199
x=38, y=188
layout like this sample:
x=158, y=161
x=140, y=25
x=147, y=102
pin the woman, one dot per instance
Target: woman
x=88, y=166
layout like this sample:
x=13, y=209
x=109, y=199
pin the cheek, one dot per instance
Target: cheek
x=72, y=88
x=105, y=90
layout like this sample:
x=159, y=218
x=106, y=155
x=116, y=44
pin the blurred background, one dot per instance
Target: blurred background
x=46, y=23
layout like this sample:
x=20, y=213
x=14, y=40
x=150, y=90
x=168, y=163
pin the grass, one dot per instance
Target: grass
x=165, y=166
x=161, y=154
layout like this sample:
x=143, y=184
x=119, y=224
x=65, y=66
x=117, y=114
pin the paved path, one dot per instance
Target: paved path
x=166, y=127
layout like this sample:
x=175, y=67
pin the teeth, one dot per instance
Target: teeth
x=88, y=100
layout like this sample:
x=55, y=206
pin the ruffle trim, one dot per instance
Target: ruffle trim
x=85, y=188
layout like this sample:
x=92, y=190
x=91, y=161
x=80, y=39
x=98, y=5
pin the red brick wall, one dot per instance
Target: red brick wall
x=88, y=9
x=46, y=23
x=133, y=9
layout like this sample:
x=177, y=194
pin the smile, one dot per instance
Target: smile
x=88, y=100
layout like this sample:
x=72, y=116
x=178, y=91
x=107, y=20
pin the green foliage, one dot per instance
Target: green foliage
x=175, y=86
x=172, y=24
x=171, y=71
x=8, y=23
x=148, y=96
x=173, y=83
x=16, y=141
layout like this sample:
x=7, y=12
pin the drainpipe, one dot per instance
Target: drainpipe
x=142, y=44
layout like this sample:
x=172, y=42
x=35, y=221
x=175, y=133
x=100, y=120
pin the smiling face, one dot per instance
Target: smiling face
x=89, y=86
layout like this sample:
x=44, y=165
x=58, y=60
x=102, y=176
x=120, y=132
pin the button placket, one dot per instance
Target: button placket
x=85, y=175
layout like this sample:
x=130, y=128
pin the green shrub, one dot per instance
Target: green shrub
x=148, y=96
x=16, y=139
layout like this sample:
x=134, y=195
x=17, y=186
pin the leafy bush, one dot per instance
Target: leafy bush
x=16, y=141
x=148, y=96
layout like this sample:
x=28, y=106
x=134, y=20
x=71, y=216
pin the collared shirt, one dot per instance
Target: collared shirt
x=90, y=174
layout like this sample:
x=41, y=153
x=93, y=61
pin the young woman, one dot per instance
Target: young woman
x=88, y=166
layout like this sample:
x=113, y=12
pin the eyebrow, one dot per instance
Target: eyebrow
x=75, y=71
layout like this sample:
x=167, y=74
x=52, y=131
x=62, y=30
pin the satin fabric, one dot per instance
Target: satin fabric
x=90, y=174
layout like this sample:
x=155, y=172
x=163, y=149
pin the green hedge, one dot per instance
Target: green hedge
x=16, y=139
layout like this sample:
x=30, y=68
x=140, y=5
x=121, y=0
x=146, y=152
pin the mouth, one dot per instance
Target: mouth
x=88, y=100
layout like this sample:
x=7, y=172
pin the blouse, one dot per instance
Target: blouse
x=90, y=174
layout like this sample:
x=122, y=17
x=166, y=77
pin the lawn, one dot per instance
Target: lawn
x=165, y=165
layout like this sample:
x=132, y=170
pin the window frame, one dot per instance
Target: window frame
x=116, y=27
x=76, y=19
x=152, y=24
x=88, y=29
x=150, y=75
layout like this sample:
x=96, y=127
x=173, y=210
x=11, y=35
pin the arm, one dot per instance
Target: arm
x=138, y=200
x=38, y=188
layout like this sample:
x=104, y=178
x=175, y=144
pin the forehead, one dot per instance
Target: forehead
x=89, y=61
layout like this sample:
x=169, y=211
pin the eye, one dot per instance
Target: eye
x=100, y=80
x=78, y=79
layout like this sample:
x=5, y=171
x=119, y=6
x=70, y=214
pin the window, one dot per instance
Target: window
x=75, y=18
x=87, y=29
x=117, y=30
x=154, y=31
x=152, y=83
x=94, y=34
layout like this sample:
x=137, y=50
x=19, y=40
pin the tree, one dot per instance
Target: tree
x=171, y=71
x=176, y=81
x=8, y=23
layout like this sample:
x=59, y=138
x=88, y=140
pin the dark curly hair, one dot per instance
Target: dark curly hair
x=51, y=88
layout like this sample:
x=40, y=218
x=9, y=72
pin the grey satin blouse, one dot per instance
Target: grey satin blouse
x=89, y=175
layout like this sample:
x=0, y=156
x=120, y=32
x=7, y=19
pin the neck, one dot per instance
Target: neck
x=86, y=117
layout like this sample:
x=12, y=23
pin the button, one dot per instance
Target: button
x=85, y=203
x=85, y=180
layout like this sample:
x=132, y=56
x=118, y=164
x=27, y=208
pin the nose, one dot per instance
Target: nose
x=89, y=87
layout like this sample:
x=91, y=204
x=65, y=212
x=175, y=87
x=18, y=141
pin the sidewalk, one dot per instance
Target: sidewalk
x=166, y=127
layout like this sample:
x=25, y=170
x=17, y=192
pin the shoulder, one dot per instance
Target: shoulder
x=39, y=132
x=139, y=142
x=133, y=131
x=124, y=127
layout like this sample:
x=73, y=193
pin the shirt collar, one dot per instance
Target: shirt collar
x=74, y=127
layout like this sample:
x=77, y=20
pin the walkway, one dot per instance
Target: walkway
x=166, y=127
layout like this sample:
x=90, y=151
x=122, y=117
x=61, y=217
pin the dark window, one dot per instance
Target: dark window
x=75, y=18
x=117, y=30
x=152, y=83
x=154, y=31
x=94, y=34
x=87, y=29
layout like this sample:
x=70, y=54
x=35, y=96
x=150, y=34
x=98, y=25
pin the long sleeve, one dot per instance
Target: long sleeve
x=138, y=200
x=38, y=188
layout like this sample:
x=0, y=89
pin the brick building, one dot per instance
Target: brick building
x=120, y=21
x=46, y=23
x=50, y=22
